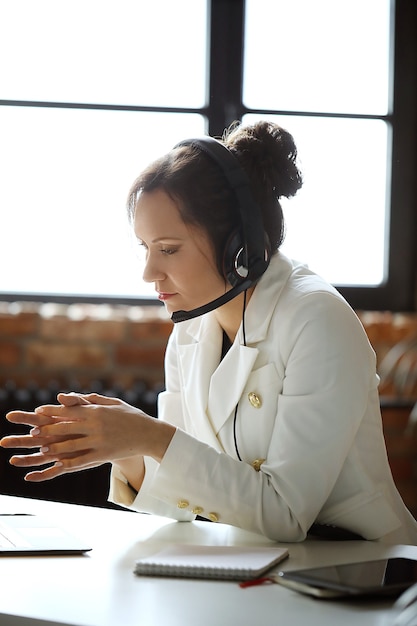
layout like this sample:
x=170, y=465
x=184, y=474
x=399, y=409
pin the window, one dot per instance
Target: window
x=344, y=159
x=93, y=90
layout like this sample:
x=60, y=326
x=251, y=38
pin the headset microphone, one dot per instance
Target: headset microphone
x=182, y=316
x=247, y=253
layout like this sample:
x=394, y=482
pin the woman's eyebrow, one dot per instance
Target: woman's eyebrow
x=159, y=239
x=167, y=238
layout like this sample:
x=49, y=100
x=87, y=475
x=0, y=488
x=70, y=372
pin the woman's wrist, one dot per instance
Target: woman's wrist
x=164, y=433
x=133, y=468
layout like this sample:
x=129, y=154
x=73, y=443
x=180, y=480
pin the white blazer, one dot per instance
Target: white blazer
x=308, y=425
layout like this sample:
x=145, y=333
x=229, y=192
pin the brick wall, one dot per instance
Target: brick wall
x=386, y=332
x=402, y=451
x=82, y=344
x=45, y=348
x=114, y=348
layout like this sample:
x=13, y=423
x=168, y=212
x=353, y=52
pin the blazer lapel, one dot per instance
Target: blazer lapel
x=228, y=381
x=212, y=389
x=198, y=361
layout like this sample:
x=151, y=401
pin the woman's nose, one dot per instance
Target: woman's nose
x=151, y=273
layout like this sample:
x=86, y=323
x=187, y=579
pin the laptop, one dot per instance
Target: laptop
x=24, y=534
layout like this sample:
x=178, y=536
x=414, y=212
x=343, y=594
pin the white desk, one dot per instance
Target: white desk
x=100, y=589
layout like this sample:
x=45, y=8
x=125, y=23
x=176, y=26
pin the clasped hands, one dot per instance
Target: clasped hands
x=84, y=431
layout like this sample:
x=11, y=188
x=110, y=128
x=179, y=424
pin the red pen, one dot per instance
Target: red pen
x=256, y=581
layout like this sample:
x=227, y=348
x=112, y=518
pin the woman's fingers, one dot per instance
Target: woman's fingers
x=30, y=460
x=61, y=430
x=73, y=406
x=20, y=441
x=45, y=474
x=72, y=399
x=70, y=409
x=36, y=439
x=53, y=471
x=84, y=434
x=96, y=398
x=66, y=466
x=24, y=417
x=67, y=409
x=65, y=446
x=69, y=436
x=33, y=419
x=44, y=456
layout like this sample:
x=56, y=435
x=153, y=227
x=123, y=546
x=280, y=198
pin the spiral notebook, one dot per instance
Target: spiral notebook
x=221, y=562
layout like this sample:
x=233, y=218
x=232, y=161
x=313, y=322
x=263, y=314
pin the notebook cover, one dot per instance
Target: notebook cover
x=221, y=562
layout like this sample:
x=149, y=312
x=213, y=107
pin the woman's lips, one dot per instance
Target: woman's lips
x=165, y=296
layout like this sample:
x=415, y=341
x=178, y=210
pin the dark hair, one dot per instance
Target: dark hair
x=265, y=151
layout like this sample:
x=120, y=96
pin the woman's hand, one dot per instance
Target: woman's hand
x=86, y=431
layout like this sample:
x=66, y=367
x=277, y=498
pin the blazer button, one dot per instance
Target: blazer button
x=213, y=517
x=255, y=400
x=256, y=464
x=183, y=504
x=197, y=510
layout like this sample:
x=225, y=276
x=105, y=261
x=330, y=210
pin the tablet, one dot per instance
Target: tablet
x=384, y=577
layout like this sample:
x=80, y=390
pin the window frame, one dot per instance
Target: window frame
x=225, y=105
x=399, y=292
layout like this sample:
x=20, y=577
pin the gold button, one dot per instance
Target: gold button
x=213, y=517
x=183, y=504
x=256, y=464
x=197, y=510
x=255, y=400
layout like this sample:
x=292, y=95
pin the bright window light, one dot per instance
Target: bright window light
x=131, y=52
x=66, y=171
x=333, y=59
x=336, y=223
x=318, y=55
x=66, y=176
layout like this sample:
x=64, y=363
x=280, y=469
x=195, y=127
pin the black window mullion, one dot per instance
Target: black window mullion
x=399, y=293
x=403, y=222
x=226, y=64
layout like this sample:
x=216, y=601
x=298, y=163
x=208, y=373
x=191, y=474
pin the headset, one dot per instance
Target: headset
x=247, y=252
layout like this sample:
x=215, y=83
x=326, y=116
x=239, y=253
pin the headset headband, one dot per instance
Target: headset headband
x=249, y=257
x=251, y=222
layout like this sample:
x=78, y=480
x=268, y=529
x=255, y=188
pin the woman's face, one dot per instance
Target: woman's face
x=179, y=257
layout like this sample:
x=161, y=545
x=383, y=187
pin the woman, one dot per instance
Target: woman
x=270, y=420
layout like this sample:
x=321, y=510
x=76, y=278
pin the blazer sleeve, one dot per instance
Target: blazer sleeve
x=328, y=372
x=169, y=404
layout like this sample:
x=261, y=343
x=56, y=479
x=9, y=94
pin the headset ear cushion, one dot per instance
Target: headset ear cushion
x=235, y=266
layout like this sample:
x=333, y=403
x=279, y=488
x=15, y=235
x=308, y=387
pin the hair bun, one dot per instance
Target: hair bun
x=268, y=154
